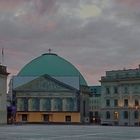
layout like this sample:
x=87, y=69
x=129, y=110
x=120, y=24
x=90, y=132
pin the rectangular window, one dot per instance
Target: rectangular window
x=46, y=117
x=136, y=114
x=136, y=103
x=115, y=90
x=125, y=115
x=107, y=115
x=126, y=102
x=68, y=118
x=107, y=90
x=136, y=89
x=24, y=117
x=84, y=108
x=115, y=103
x=96, y=114
x=126, y=90
x=108, y=102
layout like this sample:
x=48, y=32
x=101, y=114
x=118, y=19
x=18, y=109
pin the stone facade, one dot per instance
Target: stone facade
x=121, y=97
x=46, y=98
x=95, y=104
x=3, y=91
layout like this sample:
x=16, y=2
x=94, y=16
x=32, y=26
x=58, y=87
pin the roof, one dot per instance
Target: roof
x=45, y=83
x=53, y=65
x=95, y=89
x=3, y=70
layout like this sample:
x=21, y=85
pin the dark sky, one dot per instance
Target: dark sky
x=94, y=35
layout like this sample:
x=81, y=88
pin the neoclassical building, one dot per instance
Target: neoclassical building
x=49, y=89
x=95, y=104
x=3, y=92
x=121, y=97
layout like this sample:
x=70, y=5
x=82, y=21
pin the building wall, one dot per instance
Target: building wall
x=95, y=109
x=59, y=102
x=84, y=104
x=95, y=104
x=121, y=97
x=3, y=88
x=54, y=117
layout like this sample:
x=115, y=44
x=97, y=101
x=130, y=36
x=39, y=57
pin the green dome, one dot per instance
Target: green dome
x=51, y=64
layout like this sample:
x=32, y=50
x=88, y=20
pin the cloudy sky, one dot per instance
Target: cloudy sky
x=94, y=35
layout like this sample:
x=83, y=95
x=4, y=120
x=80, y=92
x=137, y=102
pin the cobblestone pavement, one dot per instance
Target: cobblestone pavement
x=68, y=132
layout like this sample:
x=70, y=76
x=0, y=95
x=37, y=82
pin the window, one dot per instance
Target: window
x=115, y=103
x=126, y=124
x=107, y=102
x=136, y=88
x=107, y=90
x=125, y=89
x=95, y=90
x=70, y=104
x=84, y=108
x=24, y=117
x=126, y=75
x=34, y=104
x=107, y=115
x=115, y=90
x=46, y=117
x=117, y=75
x=57, y=104
x=126, y=102
x=136, y=114
x=68, y=118
x=136, y=124
x=116, y=115
x=136, y=103
x=96, y=114
x=125, y=115
x=22, y=104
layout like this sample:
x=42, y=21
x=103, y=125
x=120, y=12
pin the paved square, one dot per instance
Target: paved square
x=68, y=132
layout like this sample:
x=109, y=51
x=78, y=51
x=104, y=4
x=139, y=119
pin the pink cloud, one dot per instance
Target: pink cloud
x=90, y=77
x=12, y=71
x=40, y=6
x=10, y=4
x=12, y=41
x=130, y=3
x=14, y=52
x=43, y=6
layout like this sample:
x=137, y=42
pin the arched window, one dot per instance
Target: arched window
x=116, y=115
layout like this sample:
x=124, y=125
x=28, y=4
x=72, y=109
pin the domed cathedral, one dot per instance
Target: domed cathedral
x=49, y=89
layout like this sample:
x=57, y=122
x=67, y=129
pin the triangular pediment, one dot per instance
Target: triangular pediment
x=45, y=83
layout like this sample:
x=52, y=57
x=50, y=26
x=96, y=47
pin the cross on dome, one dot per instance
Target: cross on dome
x=49, y=50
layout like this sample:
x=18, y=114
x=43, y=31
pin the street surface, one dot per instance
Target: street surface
x=68, y=132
